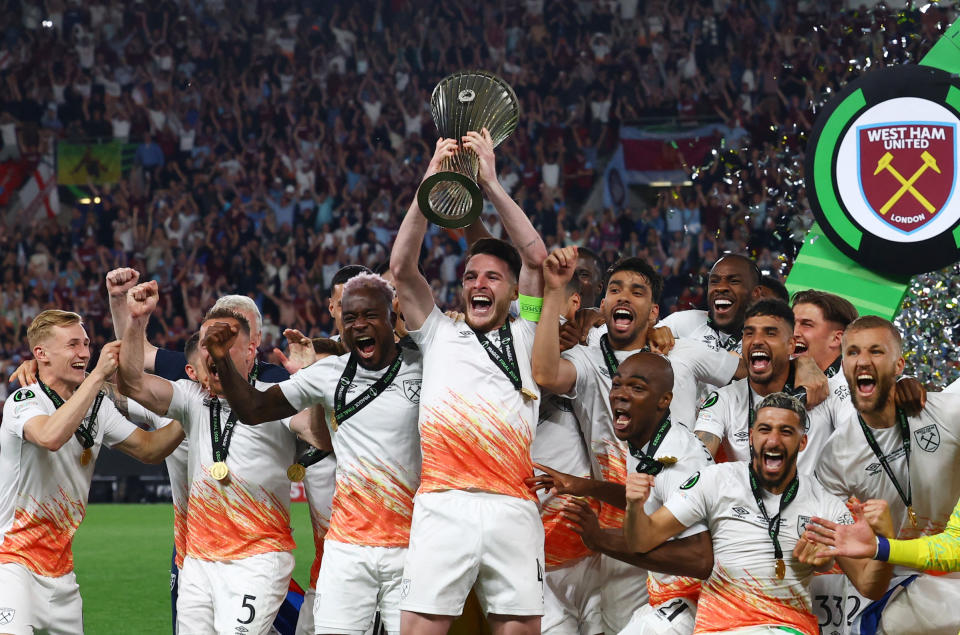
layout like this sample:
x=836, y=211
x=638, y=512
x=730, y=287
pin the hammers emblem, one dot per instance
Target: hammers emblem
x=906, y=185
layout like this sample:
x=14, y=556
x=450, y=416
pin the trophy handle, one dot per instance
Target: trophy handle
x=450, y=186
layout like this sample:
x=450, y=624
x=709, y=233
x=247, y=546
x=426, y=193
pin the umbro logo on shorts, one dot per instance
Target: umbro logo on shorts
x=6, y=615
x=404, y=588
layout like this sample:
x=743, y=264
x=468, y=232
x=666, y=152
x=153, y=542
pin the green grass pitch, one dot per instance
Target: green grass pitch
x=122, y=559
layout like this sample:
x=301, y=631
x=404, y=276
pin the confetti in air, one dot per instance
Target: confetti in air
x=770, y=161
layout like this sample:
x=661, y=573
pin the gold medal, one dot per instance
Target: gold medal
x=333, y=422
x=296, y=472
x=781, y=568
x=87, y=455
x=219, y=470
x=668, y=460
x=913, y=516
x=529, y=394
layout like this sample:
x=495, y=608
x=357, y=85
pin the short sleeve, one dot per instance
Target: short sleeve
x=424, y=335
x=710, y=419
x=183, y=393
x=689, y=502
x=146, y=418
x=306, y=388
x=116, y=429
x=669, y=482
x=709, y=366
x=671, y=322
x=22, y=406
x=170, y=365
x=827, y=472
x=581, y=363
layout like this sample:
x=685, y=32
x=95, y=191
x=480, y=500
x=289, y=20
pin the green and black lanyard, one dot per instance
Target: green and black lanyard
x=733, y=341
x=342, y=410
x=647, y=463
x=85, y=434
x=505, y=358
x=773, y=524
x=906, y=497
x=610, y=358
x=220, y=437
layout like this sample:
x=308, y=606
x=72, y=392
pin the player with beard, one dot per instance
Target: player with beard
x=51, y=435
x=725, y=414
x=238, y=561
x=584, y=374
x=755, y=511
x=908, y=461
x=372, y=397
x=478, y=415
x=640, y=398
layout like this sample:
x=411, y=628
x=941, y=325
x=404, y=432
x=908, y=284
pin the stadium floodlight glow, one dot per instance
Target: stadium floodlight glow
x=462, y=102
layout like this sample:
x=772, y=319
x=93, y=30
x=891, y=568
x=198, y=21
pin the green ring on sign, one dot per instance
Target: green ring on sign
x=877, y=252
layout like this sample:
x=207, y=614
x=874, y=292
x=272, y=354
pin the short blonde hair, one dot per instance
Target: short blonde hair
x=42, y=325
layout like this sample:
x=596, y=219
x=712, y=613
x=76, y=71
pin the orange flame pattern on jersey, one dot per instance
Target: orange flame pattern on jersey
x=612, y=457
x=227, y=522
x=41, y=536
x=470, y=446
x=561, y=544
x=665, y=588
x=726, y=605
x=179, y=533
x=371, y=506
x=320, y=524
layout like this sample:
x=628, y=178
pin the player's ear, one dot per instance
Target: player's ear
x=803, y=442
x=191, y=372
x=664, y=402
x=39, y=354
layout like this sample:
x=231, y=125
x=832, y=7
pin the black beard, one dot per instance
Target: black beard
x=790, y=460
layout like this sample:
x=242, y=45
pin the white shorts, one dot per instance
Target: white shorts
x=927, y=606
x=674, y=617
x=355, y=581
x=460, y=538
x=761, y=630
x=623, y=592
x=30, y=601
x=305, y=617
x=238, y=596
x=571, y=599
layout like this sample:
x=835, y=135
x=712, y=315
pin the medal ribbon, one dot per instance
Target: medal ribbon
x=506, y=358
x=312, y=455
x=609, y=358
x=343, y=411
x=86, y=435
x=833, y=369
x=773, y=524
x=905, y=437
x=220, y=439
x=649, y=465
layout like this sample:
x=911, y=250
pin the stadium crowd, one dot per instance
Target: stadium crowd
x=278, y=141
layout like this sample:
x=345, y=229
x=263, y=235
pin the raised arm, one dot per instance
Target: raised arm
x=521, y=231
x=152, y=392
x=52, y=431
x=550, y=370
x=251, y=405
x=119, y=281
x=413, y=290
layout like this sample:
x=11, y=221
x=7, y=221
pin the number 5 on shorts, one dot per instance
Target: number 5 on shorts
x=246, y=604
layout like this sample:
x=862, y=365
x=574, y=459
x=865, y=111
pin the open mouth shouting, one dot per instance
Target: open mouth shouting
x=722, y=307
x=866, y=383
x=481, y=304
x=621, y=419
x=366, y=346
x=773, y=460
x=760, y=361
x=800, y=348
x=622, y=319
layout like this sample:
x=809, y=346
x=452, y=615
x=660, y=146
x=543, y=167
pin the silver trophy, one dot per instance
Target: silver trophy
x=465, y=101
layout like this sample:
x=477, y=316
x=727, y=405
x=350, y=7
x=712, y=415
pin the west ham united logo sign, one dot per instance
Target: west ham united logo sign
x=881, y=170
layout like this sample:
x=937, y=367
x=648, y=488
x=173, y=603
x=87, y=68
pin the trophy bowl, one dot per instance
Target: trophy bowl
x=461, y=102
